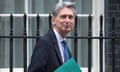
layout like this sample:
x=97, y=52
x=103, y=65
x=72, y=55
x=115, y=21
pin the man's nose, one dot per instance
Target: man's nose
x=67, y=19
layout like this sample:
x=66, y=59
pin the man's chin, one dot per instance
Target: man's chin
x=67, y=31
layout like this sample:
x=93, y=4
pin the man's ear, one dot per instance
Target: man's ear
x=53, y=20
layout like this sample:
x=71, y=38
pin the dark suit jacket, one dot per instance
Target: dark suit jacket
x=46, y=56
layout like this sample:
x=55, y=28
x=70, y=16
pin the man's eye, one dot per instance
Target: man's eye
x=67, y=16
x=63, y=16
x=70, y=17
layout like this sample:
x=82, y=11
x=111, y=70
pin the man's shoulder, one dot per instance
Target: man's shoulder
x=48, y=38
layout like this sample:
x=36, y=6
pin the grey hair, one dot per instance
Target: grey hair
x=60, y=5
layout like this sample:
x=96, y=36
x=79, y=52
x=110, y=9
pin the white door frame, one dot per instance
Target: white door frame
x=98, y=9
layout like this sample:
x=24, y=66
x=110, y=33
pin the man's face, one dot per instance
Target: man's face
x=64, y=21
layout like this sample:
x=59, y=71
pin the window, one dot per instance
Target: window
x=33, y=7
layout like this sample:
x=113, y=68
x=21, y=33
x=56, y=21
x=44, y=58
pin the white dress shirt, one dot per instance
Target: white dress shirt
x=59, y=40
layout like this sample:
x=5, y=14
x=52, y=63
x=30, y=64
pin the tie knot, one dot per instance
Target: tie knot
x=64, y=42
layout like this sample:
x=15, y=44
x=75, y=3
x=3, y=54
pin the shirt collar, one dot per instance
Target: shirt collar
x=58, y=36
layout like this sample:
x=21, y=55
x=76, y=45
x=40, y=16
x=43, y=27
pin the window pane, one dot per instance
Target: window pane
x=84, y=6
x=4, y=43
x=4, y=53
x=41, y=6
x=82, y=28
x=43, y=29
x=18, y=42
x=19, y=6
x=43, y=26
x=11, y=6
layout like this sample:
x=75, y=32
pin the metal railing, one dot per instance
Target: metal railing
x=75, y=37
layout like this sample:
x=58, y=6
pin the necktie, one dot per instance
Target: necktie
x=65, y=51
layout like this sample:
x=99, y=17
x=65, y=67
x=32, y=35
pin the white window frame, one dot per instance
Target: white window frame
x=98, y=9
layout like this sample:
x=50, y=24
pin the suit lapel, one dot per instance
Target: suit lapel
x=58, y=54
x=56, y=47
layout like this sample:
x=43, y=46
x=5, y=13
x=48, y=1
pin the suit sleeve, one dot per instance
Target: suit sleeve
x=39, y=57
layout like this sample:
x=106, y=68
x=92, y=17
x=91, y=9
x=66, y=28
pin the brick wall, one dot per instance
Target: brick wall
x=112, y=8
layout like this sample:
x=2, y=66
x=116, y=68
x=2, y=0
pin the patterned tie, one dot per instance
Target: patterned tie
x=66, y=54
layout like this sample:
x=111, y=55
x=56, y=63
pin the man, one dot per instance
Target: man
x=49, y=53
